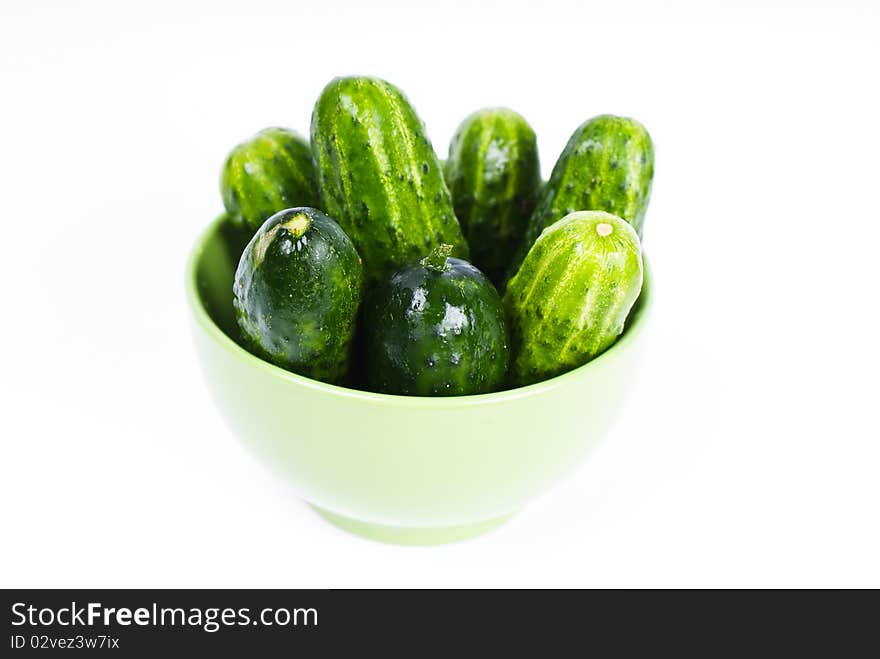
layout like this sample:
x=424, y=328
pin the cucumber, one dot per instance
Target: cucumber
x=265, y=174
x=379, y=176
x=297, y=291
x=493, y=174
x=436, y=328
x=607, y=165
x=571, y=297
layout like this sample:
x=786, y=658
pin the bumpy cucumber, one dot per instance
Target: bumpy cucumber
x=607, y=165
x=436, y=329
x=493, y=174
x=269, y=172
x=570, y=299
x=379, y=176
x=297, y=291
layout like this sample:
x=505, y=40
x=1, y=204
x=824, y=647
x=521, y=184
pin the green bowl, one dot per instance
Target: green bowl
x=402, y=469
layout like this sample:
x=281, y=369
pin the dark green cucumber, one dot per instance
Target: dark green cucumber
x=436, y=328
x=607, y=165
x=269, y=172
x=297, y=291
x=570, y=298
x=379, y=176
x=493, y=174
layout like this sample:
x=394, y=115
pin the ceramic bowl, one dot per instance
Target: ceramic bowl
x=402, y=469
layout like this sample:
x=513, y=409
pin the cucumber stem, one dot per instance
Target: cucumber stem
x=297, y=225
x=436, y=259
x=604, y=229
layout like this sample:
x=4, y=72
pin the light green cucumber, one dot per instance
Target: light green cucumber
x=570, y=298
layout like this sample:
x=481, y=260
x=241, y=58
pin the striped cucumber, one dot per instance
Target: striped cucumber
x=379, y=176
x=493, y=174
x=570, y=299
x=607, y=165
x=265, y=174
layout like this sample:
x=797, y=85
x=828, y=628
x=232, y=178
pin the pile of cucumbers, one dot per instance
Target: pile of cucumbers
x=373, y=264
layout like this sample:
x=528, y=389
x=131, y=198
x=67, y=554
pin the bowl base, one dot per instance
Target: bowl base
x=406, y=535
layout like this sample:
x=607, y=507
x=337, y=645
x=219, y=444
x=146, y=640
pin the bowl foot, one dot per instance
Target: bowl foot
x=406, y=535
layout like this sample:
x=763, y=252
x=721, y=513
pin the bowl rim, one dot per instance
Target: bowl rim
x=634, y=328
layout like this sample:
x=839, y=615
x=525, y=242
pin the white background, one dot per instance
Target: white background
x=749, y=453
